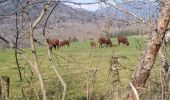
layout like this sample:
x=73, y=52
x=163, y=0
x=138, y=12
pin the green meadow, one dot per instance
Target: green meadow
x=73, y=63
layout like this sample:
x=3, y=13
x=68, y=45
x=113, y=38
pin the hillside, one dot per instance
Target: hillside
x=66, y=22
x=61, y=23
x=141, y=9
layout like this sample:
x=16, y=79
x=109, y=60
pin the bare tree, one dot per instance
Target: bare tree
x=36, y=64
x=16, y=42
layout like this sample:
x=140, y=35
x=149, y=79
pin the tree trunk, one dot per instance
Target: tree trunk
x=4, y=87
x=36, y=65
x=164, y=71
x=35, y=58
x=58, y=75
x=140, y=77
x=16, y=42
x=115, y=78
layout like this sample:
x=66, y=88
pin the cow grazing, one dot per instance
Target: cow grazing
x=64, y=42
x=93, y=44
x=123, y=40
x=104, y=41
x=53, y=42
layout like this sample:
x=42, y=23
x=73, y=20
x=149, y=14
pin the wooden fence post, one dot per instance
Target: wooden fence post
x=115, y=78
x=4, y=87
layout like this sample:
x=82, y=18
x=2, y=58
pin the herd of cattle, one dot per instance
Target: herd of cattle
x=54, y=42
x=102, y=41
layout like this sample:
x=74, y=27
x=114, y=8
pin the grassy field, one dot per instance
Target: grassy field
x=73, y=64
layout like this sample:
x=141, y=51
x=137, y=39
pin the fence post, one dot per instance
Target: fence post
x=4, y=87
x=115, y=78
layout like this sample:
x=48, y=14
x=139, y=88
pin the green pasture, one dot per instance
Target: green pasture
x=73, y=64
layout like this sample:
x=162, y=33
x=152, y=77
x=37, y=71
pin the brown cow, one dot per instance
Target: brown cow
x=123, y=40
x=53, y=42
x=104, y=40
x=93, y=44
x=64, y=42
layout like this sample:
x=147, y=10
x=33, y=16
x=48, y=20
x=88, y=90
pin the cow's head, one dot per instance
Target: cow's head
x=127, y=43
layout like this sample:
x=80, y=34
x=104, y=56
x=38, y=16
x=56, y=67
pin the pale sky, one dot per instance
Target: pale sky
x=94, y=7
x=91, y=7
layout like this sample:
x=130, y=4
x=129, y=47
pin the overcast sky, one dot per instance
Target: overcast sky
x=94, y=7
x=91, y=7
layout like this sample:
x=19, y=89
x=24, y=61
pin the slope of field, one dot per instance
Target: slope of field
x=73, y=63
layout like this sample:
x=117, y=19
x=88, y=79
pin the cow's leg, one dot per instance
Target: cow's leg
x=50, y=49
x=102, y=45
x=55, y=47
x=68, y=44
x=106, y=45
x=58, y=46
x=111, y=45
x=99, y=45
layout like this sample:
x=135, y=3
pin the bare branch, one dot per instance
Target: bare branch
x=6, y=41
x=58, y=74
x=36, y=93
x=29, y=4
x=135, y=91
x=2, y=1
x=49, y=16
x=127, y=12
x=41, y=15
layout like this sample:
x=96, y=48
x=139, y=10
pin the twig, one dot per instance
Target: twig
x=49, y=16
x=36, y=93
x=135, y=91
x=27, y=5
x=29, y=62
x=162, y=85
x=127, y=12
x=58, y=75
x=41, y=15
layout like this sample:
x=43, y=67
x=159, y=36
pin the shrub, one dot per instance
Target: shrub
x=74, y=39
x=127, y=33
x=110, y=35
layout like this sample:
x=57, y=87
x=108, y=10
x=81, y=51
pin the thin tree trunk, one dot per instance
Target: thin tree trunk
x=36, y=65
x=164, y=71
x=4, y=87
x=16, y=43
x=115, y=77
x=140, y=77
x=164, y=62
x=58, y=75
